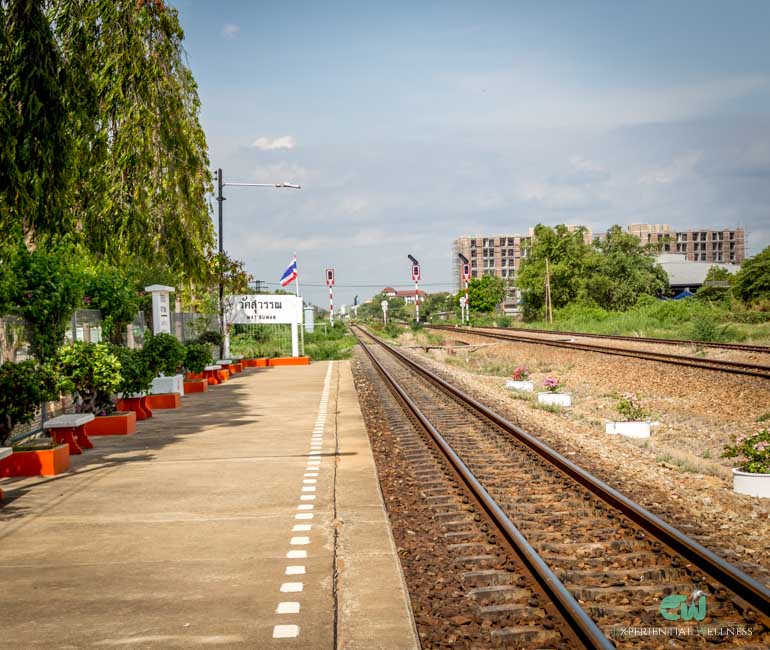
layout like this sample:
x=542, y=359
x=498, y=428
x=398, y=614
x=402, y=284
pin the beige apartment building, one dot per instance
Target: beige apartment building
x=501, y=255
x=701, y=245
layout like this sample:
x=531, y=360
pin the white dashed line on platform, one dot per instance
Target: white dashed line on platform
x=285, y=631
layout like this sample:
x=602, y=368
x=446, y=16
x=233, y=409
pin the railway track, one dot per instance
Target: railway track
x=733, y=367
x=617, y=560
x=738, y=347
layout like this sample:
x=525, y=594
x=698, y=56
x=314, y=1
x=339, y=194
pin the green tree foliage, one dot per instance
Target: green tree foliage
x=91, y=373
x=436, y=302
x=567, y=255
x=35, y=130
x=116, y=296
x=484, y=293
x=21, y=393
x=753, y=280
x=99, y=132
x=164, y=354
x=135, y=373
x=620, y=272
x=716, y=293
x=613, y=274
x=196, y=357
x=47, y=288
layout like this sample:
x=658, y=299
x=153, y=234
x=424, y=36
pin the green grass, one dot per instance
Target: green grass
x=325, y=343
x=685, y=319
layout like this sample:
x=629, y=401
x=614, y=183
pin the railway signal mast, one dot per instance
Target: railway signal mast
x=416, y=278
x=466, y=269
x=330, y=284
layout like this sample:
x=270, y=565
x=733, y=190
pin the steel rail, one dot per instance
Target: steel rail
x=744, y=586
x=734, y=367
x=740, y=347
x=582, y=625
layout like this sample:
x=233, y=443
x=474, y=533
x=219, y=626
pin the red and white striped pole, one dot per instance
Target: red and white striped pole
x=330, y=284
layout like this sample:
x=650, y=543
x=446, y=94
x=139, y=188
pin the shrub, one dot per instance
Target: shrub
x=705, y=329
x=21, y=393
x=630, y=408
x=46, y=291
x=211, y=338
x=753, y=451
x=135, y=374
x=91, y=373
x=196, y=357
x=110, y=291
x=164, y=354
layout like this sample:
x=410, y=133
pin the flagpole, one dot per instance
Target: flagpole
x=301, y=310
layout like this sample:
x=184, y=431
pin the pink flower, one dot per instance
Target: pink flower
x=741, y=439
x=520, y=373
x=551, y=384
x=761, y=446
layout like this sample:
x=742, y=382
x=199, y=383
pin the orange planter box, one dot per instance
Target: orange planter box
x=249, y=363
x=164, y=401
x=289, y=361
x=223, y=375
x=196, y=386
x=192, y=376
x=235, y=367
x=136, y=404
x=37, y=462
x=115, y=424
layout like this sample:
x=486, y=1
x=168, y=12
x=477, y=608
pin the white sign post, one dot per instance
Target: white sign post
x=463, y=304
x=161, y=312
x=266, y=309
x=384, y=305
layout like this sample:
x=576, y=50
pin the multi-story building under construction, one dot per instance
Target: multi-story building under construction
x=501, y=255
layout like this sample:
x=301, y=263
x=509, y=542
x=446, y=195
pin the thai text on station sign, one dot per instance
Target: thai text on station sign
x=261, y=308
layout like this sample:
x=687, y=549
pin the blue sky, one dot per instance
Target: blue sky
x=410, y=124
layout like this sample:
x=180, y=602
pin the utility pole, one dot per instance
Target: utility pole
x=548, y=303
x=222, y=328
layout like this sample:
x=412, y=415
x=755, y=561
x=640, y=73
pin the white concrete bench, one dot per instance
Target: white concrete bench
x=5, y=452
x=71, y=429
x=172, y=384
x=214, y=367
x=224, y=362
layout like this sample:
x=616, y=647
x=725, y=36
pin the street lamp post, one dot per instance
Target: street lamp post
x=220, y=199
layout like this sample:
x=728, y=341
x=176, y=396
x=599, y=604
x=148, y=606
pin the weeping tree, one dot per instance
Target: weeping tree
x=143, y=179
x=100, y=138
x=36, y=136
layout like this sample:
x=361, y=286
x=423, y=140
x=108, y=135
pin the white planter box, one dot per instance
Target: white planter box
x=173, y=384
x=525, y=386
x=629, y=429
x=755, y=485
x=555, y=399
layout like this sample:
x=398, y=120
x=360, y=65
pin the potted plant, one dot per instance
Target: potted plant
x=634, y=423
x=165, y=357
x=92, y=374
x=520, y=380
x=135, y=380
x=552, y=394
x=23, y=388
x=752, y=476
x=196, y=357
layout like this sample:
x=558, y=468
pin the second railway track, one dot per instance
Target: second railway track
x=733, y=367
x=615, y=558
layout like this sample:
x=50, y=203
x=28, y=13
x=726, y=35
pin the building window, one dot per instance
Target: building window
x=473, y=243
x=732, y=234
x=473, y=252
x=473, y=264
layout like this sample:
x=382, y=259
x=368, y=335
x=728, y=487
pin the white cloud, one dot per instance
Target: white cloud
x=675, y=170
x=271, y=144
x=230, y=31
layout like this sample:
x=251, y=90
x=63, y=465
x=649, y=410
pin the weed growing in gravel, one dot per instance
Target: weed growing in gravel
x=764, y=417
x=682, y=464
x=706, y=454
x=551, y=408
x=525, y=397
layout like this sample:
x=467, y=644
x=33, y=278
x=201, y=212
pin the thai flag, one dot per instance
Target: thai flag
x=290, y=274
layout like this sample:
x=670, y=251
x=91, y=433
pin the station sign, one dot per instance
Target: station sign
x=263, y=309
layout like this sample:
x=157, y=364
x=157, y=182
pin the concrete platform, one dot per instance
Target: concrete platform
x=224, y=522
